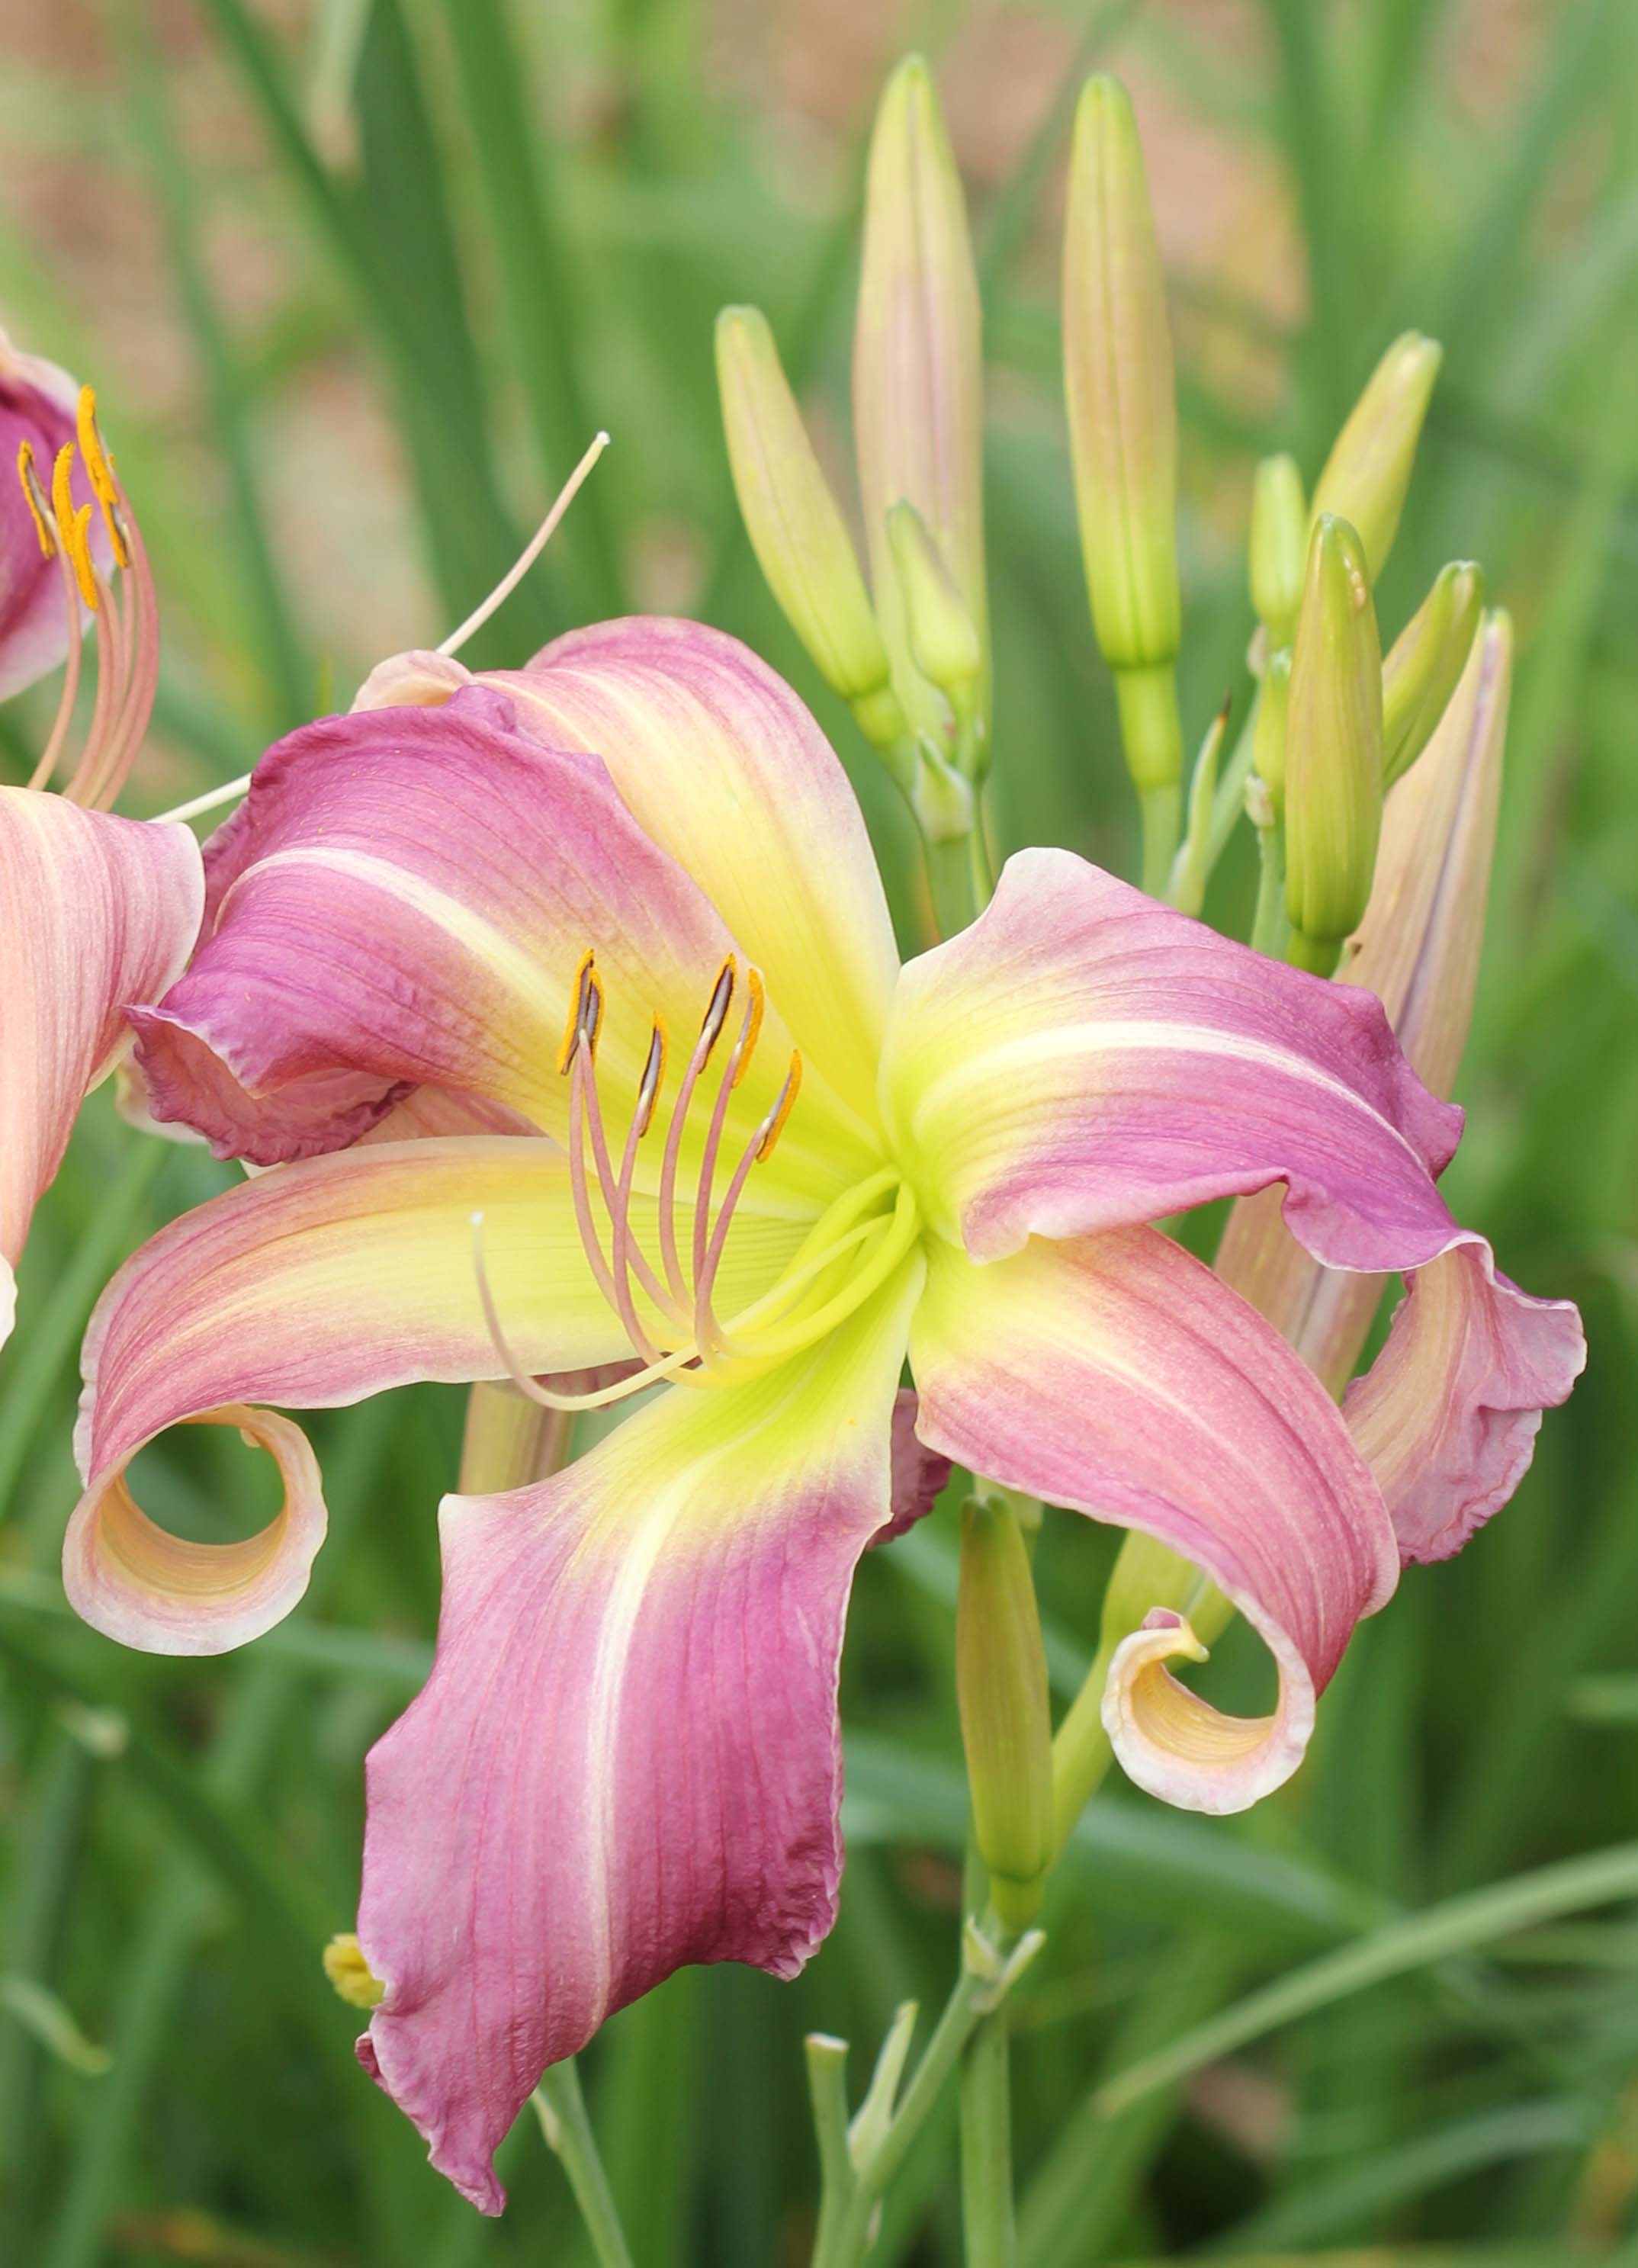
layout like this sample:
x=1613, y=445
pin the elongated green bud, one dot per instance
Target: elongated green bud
x=1123, y=424
x=1268, y=734
x=1369, y=469
x=1333, y=748
x=795, y=526
x=1425, y=665
x=1006, y=1717
x=944, y=638
x=918, y=370
x=1279, y=546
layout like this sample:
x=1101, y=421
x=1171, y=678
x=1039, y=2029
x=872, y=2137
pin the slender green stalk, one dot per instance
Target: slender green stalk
x=987, y=2210
x=561, y=2109
x=1081, y=1753
x=952, y=882
x=1162, y=811
x=1270, y=930
x=1229, y=805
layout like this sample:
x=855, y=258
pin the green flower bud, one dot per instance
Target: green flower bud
x=1369, y=469
x=943, y=640
x=1425, y=663
x=1118, y=374
x=795, y=525
x=918, y=370
x=1333, y=748
x=1006, y=1716
x=1279, y=546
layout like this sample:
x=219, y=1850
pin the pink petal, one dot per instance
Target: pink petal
x=405, y=898
x=724, y=767
x=94, y=911
x=37, y=405
x=1083, y=1058
x=626, y=1757
x=920, y=1475
x=1116, y=1375
x=1447, y=1416
x=319, y=1284
x=148, y=1588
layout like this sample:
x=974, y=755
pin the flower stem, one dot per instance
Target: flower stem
x=561, y=2109
x=952, y=882
x=1162, y=811
x=1081, y=1753
x=987, y=2214
x=1270, y=930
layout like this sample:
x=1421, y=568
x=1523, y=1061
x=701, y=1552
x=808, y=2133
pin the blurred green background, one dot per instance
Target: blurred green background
x=356, y=283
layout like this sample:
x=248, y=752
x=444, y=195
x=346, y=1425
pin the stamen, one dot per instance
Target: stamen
x=718, y=1008
x=775, y=1123
x=708, y=1258
x=100, y=471
x=536, y=545
x=72, y=524
x=668, y=1365
x=585, y=977
x=752, y=1026
x=653, y=1078
x=34, y=497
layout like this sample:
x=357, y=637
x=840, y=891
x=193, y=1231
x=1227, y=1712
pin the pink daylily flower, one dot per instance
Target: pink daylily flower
x=627, y=894
x=94, y=910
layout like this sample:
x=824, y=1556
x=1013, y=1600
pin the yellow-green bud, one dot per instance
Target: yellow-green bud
x=1425, y=666
x=1268, y=733
x=345, y=1966
x=795, y=525
x=1006, y=1716
x=1332, y=747
x=918, y=372
x=1369, y=469
x=1279, y=546
x=943, y=641
x=1122, y=389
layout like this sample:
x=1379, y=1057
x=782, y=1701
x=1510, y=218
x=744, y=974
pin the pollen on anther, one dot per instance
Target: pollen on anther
x=782, y=1109
x=34, y=497
x=100, y=470
x=572, y=1030
x=753, y=1025
x=72, y=525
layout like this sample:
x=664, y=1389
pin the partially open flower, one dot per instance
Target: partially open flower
x=94, y=910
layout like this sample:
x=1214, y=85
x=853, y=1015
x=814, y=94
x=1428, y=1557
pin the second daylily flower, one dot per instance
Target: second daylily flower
x=627, y=894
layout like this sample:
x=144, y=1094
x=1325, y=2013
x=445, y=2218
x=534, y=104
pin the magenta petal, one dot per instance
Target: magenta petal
x=920, y=1475
x=1117, y=1376
x=404, y=899
x=1447, y=1416
x=37, y=405
x=627, y=1756
x=1083, y=1058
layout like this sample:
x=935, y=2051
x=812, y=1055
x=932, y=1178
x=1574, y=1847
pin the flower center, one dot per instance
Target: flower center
x=852, y=1248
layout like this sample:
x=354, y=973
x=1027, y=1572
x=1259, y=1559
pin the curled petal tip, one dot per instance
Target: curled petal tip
x=1180, y=1749
x=130, y=1578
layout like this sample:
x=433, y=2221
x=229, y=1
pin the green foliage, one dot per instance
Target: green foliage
x=541, y=212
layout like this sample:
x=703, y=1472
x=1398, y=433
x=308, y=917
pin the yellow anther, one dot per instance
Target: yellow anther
x=576, y=1010
x=72, y=525
x=783, y=1108
x=753, y=1025
x=34, y=497
x=349, y=1972
x=100, y=471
